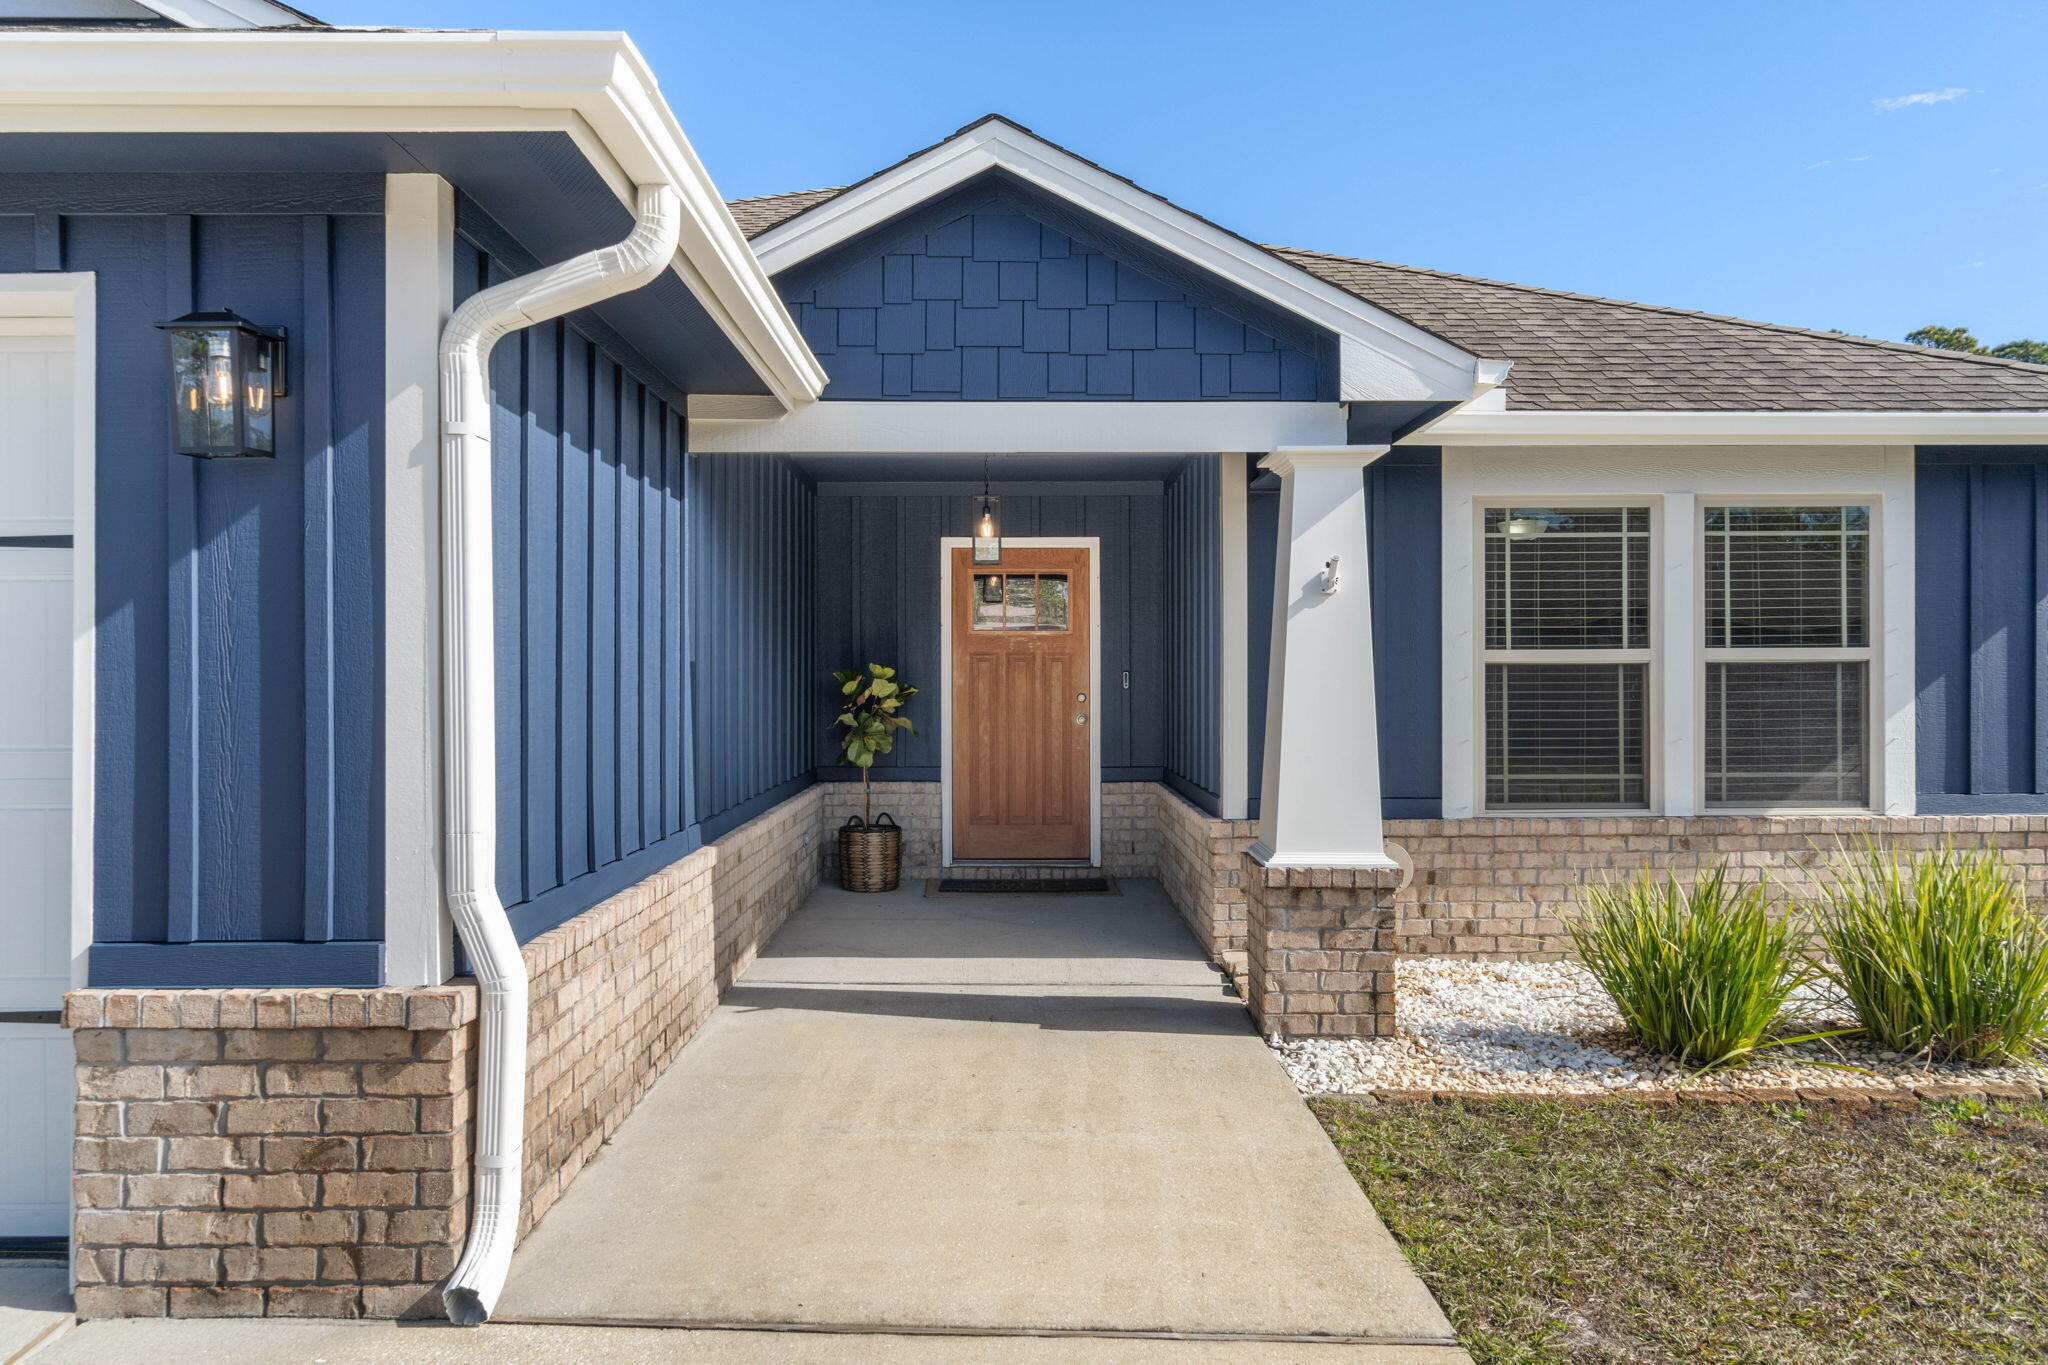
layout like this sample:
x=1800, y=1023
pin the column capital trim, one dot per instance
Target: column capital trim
x=1285, y=460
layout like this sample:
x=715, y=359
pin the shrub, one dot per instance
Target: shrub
x=1940, y=957
x=1700, y=973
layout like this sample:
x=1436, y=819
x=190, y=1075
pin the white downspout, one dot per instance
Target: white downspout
x=469, y=721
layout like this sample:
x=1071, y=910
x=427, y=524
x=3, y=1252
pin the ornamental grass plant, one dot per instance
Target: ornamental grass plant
x=1940, y=956
x=1700, y=973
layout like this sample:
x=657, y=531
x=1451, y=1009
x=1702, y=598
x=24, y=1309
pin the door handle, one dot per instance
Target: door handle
x=1080, y=718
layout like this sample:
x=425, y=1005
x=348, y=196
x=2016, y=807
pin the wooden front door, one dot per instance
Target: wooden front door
x=1022, y=707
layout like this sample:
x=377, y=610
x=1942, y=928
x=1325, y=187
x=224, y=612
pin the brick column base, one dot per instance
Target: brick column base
x=1319, y=944
x=290, y=1153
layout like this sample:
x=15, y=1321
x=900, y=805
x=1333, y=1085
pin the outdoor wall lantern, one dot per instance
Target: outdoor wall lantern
x=988, y=531
x=226, y=377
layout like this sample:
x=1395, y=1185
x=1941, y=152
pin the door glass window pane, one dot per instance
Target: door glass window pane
x=1052, y=601
x=1789, y=734
x=1565, y=734
x=1567, y=578
x=1020, y=601
x=1787, y=577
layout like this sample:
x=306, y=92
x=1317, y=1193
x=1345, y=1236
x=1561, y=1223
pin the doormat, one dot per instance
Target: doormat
x=17, y=1250
x=1021, y=886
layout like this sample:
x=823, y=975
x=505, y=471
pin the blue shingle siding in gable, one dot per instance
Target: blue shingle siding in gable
x=236, y=763
x=1981, y=575
x=877, y=601
x=625, y=569
x=1192, y=612
x=992, y=293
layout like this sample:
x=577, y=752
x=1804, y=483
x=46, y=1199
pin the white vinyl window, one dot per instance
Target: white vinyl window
x=1567, y=654
x=1786, y=655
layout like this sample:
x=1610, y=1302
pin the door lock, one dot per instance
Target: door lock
x=1080, y=718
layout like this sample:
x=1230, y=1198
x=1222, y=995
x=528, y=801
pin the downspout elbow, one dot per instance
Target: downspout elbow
x=470, y=720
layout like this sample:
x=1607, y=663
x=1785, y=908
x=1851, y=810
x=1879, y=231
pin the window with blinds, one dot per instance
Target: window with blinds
x=1567, y=655
x=1787, y=656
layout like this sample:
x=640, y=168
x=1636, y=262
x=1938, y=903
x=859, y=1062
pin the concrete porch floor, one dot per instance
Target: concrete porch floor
x=983, y=1113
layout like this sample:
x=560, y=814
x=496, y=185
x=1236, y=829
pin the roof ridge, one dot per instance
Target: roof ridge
x=786, y=194
x=1907, y=347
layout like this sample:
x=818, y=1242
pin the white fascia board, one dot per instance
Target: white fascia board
x=593, y=87
x=941, y=428
x=1381, y=356
x=1468, y=427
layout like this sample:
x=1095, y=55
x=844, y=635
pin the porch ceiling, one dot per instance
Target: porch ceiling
x=1003, y=469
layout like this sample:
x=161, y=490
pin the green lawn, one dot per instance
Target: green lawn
x=1769, y=1235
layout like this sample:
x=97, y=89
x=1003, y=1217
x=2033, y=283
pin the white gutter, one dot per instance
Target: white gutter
x=593, y=88
x=470, y=713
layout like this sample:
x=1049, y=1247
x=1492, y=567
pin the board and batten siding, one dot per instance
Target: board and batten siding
x=1982, y=629
x=877, y=576
x=237, y=640
x=1404, y=534
x=1192, y=611
x=626, y=570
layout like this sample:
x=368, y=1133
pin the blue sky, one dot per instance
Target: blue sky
x=1745, y=158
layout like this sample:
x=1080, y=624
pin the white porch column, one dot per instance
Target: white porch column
x=1319, y=805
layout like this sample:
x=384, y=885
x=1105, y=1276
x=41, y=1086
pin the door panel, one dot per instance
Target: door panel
x=1021, y=711
x=35, y=783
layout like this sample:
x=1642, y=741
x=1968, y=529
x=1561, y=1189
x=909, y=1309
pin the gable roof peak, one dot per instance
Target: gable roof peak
x=1380, y=354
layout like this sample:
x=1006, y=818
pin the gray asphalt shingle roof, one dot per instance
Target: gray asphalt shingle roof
x=1580, y=351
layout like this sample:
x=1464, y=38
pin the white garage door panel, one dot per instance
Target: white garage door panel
x=35, y=1177
x=36, y=624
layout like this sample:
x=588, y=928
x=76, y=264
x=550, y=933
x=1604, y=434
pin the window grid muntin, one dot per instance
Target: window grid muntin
x=1637, y=529
x=1864, y=653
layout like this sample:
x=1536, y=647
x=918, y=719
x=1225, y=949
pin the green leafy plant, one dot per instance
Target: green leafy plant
x=1940, y=956
x=870, y=703
x=1700, y=973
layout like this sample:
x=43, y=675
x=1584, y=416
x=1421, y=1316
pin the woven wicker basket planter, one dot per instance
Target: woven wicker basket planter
x=870, y=856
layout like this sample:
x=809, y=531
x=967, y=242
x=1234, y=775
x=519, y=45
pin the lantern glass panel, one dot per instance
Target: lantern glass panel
x=988, y=534
x=204, y=384
x=259, y=394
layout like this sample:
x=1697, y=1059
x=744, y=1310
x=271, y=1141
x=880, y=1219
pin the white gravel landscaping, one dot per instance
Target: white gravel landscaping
x=1548, y=1028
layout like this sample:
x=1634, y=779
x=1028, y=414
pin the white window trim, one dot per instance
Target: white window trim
x=1869, y=654
x=1677, y=483
x=1093, y=545
x=1651, y=655
x=63, y=303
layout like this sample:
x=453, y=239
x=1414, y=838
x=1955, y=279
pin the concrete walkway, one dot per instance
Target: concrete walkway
x=982, y=1118
x=985, y=1113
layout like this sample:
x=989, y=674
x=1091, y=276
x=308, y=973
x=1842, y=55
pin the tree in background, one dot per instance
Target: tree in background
x=1959, y=339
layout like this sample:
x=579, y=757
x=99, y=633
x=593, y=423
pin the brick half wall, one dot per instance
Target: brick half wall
x=306, y=1152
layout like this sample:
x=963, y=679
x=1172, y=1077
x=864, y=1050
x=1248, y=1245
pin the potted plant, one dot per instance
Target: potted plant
x=870, y=705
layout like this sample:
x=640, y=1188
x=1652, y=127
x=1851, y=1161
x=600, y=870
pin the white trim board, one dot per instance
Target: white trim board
x=1471, y=427
x=594, y=87
x=419, y=295
x=1879, y=476
x=1093, y=545
x=915, y=427
x=1380, y=356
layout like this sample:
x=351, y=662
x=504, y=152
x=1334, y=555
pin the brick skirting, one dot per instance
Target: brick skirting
x=305, y=1152
x=242, y=1153
x=1496, y=887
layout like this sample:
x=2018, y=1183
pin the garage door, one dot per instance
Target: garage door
x=35, y=778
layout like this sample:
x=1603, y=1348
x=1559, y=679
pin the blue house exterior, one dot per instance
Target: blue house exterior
x=1381, y=566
